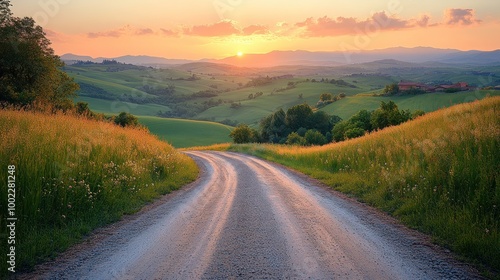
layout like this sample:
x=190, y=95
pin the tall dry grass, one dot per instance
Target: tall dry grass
x=73, y=175
x=439, y=174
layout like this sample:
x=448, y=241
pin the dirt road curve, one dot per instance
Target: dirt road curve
x=246, y=218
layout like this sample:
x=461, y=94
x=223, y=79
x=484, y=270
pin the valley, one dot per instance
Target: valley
x=232, y=95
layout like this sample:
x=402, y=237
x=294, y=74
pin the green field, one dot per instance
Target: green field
x=439, y=174
x=428, y=102
x=111, y=89
x=187, y=133
x=110, y=107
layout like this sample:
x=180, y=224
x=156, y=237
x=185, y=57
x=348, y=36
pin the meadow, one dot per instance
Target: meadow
x=187, y=133
x=74, y=175
x=439, y=174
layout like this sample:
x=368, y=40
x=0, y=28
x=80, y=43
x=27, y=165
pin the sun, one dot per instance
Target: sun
x=240, y=53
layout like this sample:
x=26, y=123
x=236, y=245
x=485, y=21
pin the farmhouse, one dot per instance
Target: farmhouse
x=405, y=86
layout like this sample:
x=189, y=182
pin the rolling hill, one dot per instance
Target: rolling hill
x=438, y=174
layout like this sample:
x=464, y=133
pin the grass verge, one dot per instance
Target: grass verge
x=438, y=174
x=74, y=175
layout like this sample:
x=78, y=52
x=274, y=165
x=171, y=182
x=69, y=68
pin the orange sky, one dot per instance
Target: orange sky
x=219, y=28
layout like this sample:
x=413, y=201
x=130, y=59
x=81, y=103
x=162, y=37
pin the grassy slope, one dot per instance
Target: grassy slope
x=115, y=107
x=187, y=133
x=73, y=175
x=439, y=174
x=429, y=102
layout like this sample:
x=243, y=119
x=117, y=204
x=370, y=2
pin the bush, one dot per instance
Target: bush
x=243, y=134
x=314, y=137
x=354, y=133
x=295, y=139
x=125, y=119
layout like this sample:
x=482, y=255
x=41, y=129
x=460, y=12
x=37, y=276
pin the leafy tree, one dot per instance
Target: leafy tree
x=29, y=70
x=298, y=116
x=125, y=119
x=417, y=114
x=274, y=128
x=302, y=131
x=388, y=115
x=362, y=119
x=391, y=89
x=242, y=134
x=295, y=139
x=354, y=133
x=314, y=137
x=326, y=97
x=338, y=131
x=320, y=121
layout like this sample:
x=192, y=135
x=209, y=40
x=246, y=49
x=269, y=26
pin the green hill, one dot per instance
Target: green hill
x=439, y=174
x=222, y=93
x=187, y=133
x=428, y=102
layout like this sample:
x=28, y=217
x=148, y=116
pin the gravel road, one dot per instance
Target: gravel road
x=245, y=218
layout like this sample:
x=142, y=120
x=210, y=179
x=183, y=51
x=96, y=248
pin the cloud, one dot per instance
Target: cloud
x=111, y=33
x=144, y=31
x=169, y=33
x=255, y=30
x=423, y=21
x=325, y=26
x=219, y=29
x=460, y=17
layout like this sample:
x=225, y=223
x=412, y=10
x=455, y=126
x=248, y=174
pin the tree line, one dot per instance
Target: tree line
x=31, y=75
x=301, y=125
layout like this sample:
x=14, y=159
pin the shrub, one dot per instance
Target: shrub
x=125, y=119
x=314, y=137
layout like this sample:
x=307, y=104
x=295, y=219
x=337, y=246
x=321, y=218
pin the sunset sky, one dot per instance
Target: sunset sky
x=196, y=29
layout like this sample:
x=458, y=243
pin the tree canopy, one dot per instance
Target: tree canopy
x=29, y=70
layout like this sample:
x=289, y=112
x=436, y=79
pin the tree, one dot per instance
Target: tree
x=338, y=131
x=29, y=70
x=354, y=132
x=320, y=121
x=242, y=134
x=388, y=115
x=125, y=119
x=391, y=89
x=295, y=139
x=362, y=119
x=314, y=137
x=325, y=97
x=298, y=116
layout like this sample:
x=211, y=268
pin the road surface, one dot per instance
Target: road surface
x=245, y=218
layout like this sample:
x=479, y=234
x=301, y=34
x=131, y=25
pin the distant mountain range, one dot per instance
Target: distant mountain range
x=307, y=58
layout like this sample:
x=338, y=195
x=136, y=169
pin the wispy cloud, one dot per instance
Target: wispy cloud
x=255, y=30
x=144, y=31
x=219, y=29
x=325, y=26
x=169, y=33
x=460, y=17
x=310, y=27
x=110, y=33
